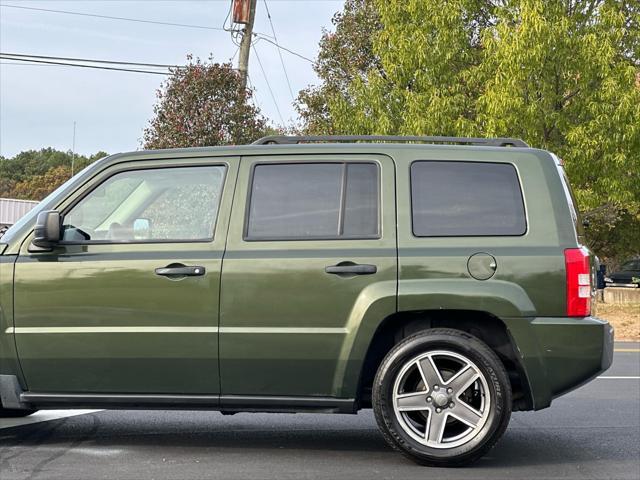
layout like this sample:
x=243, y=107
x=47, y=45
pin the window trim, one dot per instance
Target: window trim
x=345, y=163
x=118, y=171
x=524, y=206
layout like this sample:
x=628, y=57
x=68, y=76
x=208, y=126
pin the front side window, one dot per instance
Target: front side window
x=466, y=199
x=165, y=204
x=314, y=201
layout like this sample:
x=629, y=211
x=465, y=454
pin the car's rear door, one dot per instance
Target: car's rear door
x=128, y=302
x=310, y=235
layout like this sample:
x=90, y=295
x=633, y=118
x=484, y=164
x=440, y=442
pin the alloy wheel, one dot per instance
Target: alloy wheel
x=441, y=399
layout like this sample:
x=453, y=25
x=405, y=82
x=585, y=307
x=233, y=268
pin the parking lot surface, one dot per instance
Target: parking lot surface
x=591, y=433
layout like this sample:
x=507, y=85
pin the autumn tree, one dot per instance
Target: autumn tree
x=39, y=186
x=33, y=174
x=562, y=75
x=203, y=104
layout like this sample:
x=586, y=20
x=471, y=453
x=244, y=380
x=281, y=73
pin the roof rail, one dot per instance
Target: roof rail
x=289, y=140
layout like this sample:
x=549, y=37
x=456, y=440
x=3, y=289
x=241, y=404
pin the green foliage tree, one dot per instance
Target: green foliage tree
x=33, y=174
x=563, y=75
x=345, y=54
x=203, y=104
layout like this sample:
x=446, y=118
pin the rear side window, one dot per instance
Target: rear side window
x=466, y=199
x=314, y=201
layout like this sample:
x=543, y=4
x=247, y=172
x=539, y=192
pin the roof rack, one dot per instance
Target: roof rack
x=294, y=139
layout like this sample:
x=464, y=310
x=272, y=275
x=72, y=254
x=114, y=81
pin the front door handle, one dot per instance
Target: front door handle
x=350, y=268
x=179, y=270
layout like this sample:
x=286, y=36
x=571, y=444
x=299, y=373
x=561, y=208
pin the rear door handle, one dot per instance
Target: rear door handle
x=180, y=271
x=350, y=268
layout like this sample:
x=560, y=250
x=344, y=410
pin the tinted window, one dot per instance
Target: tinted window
x=149, y=205
x=466, y=199
x=314, y=200
x=361, y=202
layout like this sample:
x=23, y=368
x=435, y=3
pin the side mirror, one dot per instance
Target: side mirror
x=141, y=228
x=47, y=232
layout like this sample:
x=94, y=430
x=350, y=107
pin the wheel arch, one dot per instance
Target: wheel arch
x=481, y=324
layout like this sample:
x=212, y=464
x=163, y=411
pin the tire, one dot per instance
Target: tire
x=9, y=413
x=442, y=398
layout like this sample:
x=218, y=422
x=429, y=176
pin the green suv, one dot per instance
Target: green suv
x=441, y=281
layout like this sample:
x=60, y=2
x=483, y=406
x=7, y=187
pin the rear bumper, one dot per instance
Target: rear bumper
x=561, y=354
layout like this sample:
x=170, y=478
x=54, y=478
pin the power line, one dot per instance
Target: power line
x=108, y=17
x=234, y=55
x=125, y=19
x=89, y=60
x=266, y=39
x=259, y=35
x=254, y=97
x=273, y=30
x=273, y=97
x=46, y=62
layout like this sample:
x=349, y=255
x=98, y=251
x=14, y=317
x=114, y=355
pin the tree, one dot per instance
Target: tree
x=39, y=186
x=558, y=75
x=203, y=104
x=37, y=162
x=344, y=55
x=562, y=75
x=32, y=174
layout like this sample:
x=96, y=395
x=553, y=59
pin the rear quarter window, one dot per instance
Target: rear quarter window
x=466, y=199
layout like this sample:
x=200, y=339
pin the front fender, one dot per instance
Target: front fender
x=8, y=356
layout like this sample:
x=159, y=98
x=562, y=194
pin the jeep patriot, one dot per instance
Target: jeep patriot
x=441, y=281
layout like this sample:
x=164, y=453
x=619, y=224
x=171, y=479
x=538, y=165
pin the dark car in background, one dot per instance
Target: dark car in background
x=627, y=276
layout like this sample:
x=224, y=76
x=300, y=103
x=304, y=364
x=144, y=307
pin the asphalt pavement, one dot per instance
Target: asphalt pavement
x=591, y=433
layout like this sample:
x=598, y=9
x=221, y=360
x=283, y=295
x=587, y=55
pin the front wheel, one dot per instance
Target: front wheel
x=442, y=397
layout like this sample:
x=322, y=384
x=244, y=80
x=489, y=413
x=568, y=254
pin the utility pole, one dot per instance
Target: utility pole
x=73, y=149
x=247, y=36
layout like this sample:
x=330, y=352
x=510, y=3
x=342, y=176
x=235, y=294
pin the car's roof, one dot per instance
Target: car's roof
x=288, y=149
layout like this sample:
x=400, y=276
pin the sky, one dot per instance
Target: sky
x=39, y=104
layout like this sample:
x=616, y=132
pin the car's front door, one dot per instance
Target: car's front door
x=128, y=302
x=310, y=241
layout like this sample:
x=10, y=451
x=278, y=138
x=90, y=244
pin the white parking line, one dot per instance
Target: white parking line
x=42, y=416
x=620, y=378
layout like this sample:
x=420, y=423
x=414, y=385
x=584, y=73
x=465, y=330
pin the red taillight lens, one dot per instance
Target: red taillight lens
x=577, y=267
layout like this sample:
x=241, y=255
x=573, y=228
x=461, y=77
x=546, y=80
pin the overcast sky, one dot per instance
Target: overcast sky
x=38, y=104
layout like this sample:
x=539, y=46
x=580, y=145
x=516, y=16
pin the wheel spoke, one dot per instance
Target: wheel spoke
x=466, y=414
x=462, y=380
x=412, y=401
x=429, y=372
x=435, y=426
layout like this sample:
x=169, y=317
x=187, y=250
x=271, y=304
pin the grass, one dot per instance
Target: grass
x=625, y=318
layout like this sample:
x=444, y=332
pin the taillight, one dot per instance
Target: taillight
x=577, y=267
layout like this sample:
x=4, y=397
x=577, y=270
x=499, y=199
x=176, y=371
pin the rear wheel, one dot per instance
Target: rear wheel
x=442, y=397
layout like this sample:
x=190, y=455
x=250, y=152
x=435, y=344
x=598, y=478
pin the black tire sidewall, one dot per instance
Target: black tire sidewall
x=9, y=413
x=476, y=351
